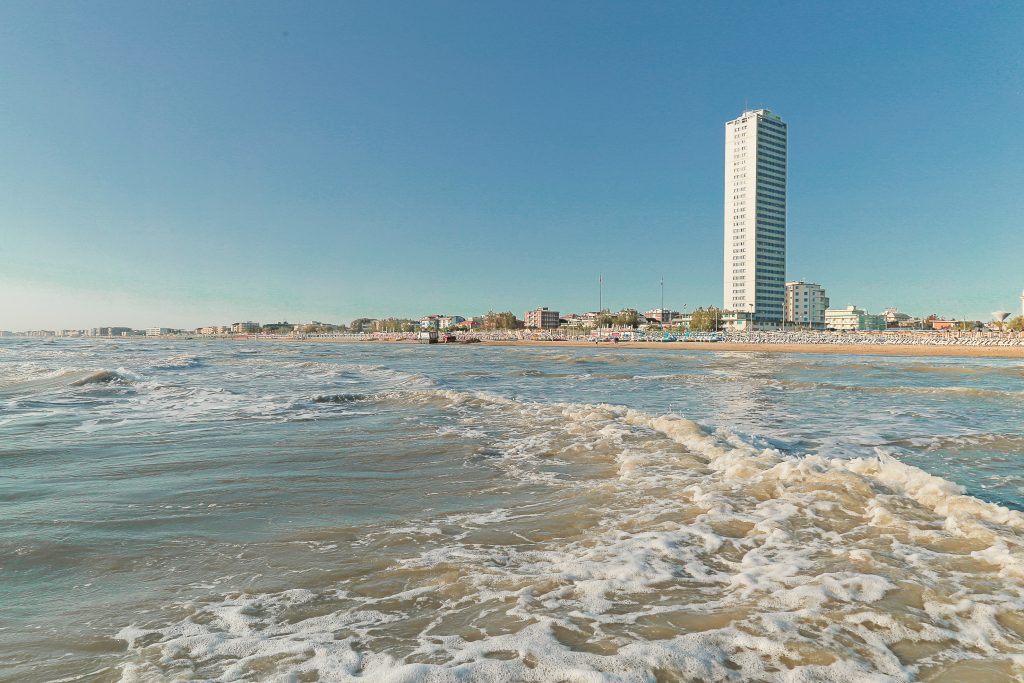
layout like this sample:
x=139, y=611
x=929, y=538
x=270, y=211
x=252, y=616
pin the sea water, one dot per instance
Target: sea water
x=179, y=511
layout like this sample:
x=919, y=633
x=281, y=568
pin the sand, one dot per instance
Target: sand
x=852, y=349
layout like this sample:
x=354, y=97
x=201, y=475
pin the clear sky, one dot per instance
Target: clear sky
x=189, y=163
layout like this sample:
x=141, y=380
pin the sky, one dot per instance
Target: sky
x=191, y=163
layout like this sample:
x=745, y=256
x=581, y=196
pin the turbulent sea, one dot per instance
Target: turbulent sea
x=242, y=511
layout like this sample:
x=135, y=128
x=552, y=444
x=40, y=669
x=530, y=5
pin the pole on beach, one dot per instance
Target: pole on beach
x=662, y=316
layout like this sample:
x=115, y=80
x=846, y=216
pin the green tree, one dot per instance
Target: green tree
x=500, y=321
x=361, y=325
x=507, y=321
x=706, y=320
x=627, y=317
x=1016, y=324
x=604, y=319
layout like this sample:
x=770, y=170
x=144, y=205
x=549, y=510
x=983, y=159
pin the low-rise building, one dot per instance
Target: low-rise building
x=446, y=322
x=248, y=327
x=805, y=304
x=157, y=331
x=541, y=318
x=660, y=315
x=894, y=318
x=853, y=319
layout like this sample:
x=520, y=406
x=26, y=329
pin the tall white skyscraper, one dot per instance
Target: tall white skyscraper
x=755, y=215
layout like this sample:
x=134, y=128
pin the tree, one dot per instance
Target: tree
x=500, y=321
x=706, y=320
x=361, y=325
x=627, y=317
x=1016, y=324
x=391, y=325
x=604, y=319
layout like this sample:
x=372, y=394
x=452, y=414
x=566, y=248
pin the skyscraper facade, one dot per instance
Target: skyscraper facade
x=755, y=216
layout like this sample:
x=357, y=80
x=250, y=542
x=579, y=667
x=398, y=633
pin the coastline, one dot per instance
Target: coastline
x=918, y=350
x=835, y=349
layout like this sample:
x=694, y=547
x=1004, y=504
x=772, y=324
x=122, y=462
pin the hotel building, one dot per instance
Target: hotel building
x=541, y=318
x=805, y=304
x=755, y=216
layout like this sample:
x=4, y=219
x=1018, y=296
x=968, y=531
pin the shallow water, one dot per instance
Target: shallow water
x=300, y=512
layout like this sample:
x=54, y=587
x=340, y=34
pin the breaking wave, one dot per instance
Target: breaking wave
x=643, y=548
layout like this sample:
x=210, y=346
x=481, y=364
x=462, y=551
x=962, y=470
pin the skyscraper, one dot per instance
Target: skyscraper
x=755, y=215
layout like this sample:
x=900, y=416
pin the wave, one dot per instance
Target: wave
x=56, y=380
x=181, y=360
x=101, y=377
x=972, y=392
x=645, y=547
x=341, y=398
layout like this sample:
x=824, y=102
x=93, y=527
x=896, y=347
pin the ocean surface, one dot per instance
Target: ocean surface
x=245, y=511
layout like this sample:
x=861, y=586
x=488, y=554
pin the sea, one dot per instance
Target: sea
x=285, y=511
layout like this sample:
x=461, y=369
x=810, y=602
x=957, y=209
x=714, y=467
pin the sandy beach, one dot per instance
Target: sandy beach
x=853, y=349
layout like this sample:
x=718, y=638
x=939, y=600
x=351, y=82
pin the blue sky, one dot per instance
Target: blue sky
x=194, y=163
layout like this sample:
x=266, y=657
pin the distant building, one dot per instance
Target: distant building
x=853, y=319
x=805, y=304
x=739, y=321
x=245, y=328
x=110, y=331
x=661, y=315
x=157, y=331
x=893, y=318
x=446, y=322
x=541, y=319
x=755, y=216
x=431, y=322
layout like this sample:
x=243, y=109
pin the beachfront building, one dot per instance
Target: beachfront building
x=660, y=315
x=248, y=327
x=440, y=322
x=894, y=318
x=755, y=216
x=157, y=331
x=853, y=319
x=449, y=321
x=541, y=319
x=805, y=304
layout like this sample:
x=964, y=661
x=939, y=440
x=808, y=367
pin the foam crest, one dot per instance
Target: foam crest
x=653, y=548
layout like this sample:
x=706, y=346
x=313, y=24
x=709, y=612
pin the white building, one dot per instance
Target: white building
x=157, y=331
x=852, y=318
x=805, y=304
x=448, y=321
x=755, y=216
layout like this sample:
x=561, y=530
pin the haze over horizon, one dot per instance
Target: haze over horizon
x=189, y=164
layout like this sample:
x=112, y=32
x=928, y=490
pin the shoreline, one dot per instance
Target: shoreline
x=834, y=349
x=919, y=350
